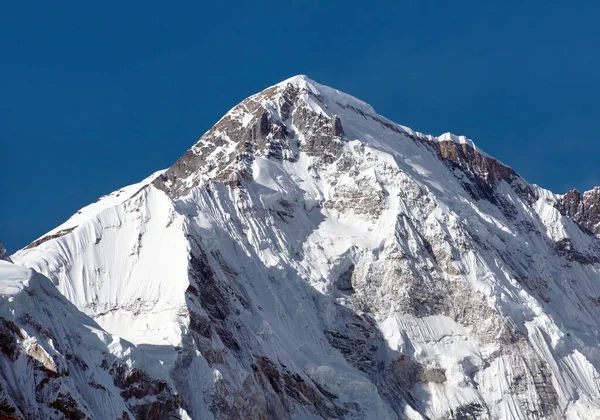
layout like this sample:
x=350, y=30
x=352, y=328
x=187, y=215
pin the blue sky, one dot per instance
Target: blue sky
x=97, y=95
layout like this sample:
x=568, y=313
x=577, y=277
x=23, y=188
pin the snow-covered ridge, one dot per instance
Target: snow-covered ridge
x=327, y=94
x=301, y=115
x=107, y=201
x=331, y=96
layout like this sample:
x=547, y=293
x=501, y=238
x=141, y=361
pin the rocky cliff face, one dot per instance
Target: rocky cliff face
x=3, y=254
x=583, y=208
x=308, y=258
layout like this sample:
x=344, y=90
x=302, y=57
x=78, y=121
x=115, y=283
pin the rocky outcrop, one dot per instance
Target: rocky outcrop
x=584, y=208
x=471, y=160
x=50, y=237
x=253, y=129
x=3, y=253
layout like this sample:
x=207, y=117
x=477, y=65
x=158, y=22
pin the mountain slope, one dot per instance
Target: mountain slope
x=310, y=258
x=56, y=362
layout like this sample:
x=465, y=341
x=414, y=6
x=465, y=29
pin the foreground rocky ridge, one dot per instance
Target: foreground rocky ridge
x=310, y=258
x=58, y=363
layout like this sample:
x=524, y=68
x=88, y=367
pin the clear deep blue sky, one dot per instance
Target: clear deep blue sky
x=97, y=95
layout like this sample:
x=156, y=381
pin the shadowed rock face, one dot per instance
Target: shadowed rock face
x=483, y=173
x=3, y=254
x=583, y=208
x=473, y=161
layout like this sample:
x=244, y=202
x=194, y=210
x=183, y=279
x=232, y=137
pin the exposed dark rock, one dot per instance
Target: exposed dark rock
x=291, y=385
x=584, y=209
x=565, y=248
x=542, y=379
x=97, y=386
x=405, y=371
x=200, y=324
x=211, y=296
x=482, y=173
x=322, y=135
x=477, y=176
x=538, y=287
x=77, y=361
x=136, y=385
x=471, y=411
x=472, y=161
x=9, y=336
x=8, y=411
x=124, y=416
x=433, y=374
x=237, y=144
x=344, y=281
x=49, y=237
x=338, y=130
x=68, y=407
x=3, y=254
x=27, y=319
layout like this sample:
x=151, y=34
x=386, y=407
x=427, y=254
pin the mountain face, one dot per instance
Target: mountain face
x=308, y=258
x=58, y=363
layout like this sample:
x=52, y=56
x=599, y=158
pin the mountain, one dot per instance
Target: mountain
x=308, y=258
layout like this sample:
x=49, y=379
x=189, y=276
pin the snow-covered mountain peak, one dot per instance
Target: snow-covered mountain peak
x=309, y=258
x=330, y=99
x=299, y=116
x=326, y=96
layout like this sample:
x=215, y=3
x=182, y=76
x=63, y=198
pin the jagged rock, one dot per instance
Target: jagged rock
x=3, y=254
x=583, y=208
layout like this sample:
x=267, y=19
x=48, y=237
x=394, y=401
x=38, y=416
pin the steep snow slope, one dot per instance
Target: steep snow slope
x=56, y=362
x=104, y=279
x=308, y=257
